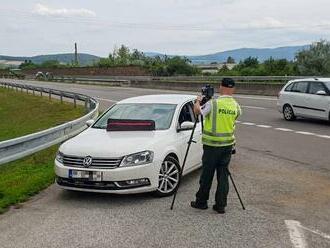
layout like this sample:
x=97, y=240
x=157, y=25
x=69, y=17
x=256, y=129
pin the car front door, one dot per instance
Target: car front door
x=298, y=96
x=195, y=152
x=317, y=104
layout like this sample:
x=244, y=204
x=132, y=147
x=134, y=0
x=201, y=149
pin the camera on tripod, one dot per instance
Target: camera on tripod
x=207, y=93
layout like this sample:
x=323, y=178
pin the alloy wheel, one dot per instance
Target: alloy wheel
x=168, y=177
x=288, y=113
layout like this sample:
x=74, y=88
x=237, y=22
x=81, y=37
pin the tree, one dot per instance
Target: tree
x=230, y=60
x=158, y=66
x=315, y=60
x=277, y=67
x=123, y=55
x=51, y=64
x=27, y=64
x=252, y=62
x=137, y=55
x=223, y=70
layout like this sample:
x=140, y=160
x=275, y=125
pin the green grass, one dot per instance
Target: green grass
x=23, y=178
x=22, y=114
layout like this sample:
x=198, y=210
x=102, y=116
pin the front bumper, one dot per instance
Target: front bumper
x=112, y=179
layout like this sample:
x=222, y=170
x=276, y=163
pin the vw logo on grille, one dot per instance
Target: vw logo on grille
x=87, y=161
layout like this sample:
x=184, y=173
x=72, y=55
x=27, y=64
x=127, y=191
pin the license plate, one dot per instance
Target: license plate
x=87, y=175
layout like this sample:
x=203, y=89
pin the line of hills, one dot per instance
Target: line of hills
x=262, y=54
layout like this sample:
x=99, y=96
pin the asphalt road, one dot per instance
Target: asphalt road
x=282, y=170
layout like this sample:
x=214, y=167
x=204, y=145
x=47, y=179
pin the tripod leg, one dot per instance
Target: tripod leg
x=239, y=197
x=184, y=161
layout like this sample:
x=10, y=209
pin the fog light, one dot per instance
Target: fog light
x=131, y=182
x=134, y=182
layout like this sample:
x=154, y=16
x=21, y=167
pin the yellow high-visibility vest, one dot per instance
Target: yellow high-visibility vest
x=219, y=124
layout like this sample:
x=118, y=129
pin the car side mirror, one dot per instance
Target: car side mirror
x=90, y=122
x=185, y=126
x=321, y=93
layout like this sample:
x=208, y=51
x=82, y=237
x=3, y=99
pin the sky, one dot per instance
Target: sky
x=184, y=27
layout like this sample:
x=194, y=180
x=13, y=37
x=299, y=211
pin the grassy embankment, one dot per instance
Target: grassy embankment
x=22, y=114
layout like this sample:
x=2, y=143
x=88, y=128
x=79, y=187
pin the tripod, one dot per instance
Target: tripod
x=184, y=163
x=185, y=159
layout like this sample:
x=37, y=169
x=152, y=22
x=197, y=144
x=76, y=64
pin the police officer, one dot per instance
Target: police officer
x=218, y=140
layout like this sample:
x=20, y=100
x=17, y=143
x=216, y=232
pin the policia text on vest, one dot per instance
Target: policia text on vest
x=218, y=140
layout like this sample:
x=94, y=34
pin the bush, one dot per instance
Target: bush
x=314, y=61
x=158, y=66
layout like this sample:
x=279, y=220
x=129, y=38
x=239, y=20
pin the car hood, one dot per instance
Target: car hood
x=100, y=143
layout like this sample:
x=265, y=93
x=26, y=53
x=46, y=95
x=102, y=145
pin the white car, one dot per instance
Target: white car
x=125, y=162
x=305, y=98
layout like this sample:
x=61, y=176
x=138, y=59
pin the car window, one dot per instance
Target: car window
x=289, y=87
x=162, y=114
x=300, y=87
x=328, y=85
x=315, y=87
x=186, y=113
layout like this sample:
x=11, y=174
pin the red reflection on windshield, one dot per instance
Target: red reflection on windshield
x=130, y=125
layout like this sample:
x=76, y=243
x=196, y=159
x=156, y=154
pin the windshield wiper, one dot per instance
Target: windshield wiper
x=99, y=127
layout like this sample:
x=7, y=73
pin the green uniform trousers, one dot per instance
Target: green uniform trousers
x=214, y=159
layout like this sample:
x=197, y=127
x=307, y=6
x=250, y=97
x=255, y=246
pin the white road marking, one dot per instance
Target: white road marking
x=264, y=126
x=284, y=129
x=323, y=136
x=296, y=235
x=104, y=99
x=322, y=234
x=248, y=123
x=304, y=133
x=252, y=107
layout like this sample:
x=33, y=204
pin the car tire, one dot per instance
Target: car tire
x=169, y=177
x=288, y=113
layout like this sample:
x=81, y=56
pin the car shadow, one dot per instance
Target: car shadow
x=314, y=121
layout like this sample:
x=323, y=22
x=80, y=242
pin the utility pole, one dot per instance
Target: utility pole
x=75, y=54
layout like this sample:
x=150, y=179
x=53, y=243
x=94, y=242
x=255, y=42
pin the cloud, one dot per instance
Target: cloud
x=44, y=10
x=264, y=23
x=267, y=22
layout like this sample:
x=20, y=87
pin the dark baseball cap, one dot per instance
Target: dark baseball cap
x=228, y=82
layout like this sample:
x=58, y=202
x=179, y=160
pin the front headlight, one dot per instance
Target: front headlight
x=139, y=158
x=59, y=157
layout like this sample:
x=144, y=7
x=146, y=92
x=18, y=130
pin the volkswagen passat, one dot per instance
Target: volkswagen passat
x=115, y=161
x=305, y=98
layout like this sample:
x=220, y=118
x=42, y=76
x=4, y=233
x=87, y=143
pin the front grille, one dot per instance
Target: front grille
x=99, y=163
x=85, y=184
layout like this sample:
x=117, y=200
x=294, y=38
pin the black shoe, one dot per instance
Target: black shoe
x=198, y=205
x=220, y=210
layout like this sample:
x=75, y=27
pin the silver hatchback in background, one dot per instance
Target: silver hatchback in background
x=308, y=98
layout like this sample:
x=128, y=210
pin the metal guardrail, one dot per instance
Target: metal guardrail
x=125, y=80
x=244, y=79
x=20, y=147
x=119, y=82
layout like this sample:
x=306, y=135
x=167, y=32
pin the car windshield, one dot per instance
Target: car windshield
x=162, y=114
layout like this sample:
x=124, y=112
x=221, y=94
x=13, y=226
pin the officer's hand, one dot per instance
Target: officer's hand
x=199, y=99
